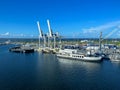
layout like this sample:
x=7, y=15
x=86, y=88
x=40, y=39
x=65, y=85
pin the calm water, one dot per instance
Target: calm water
x=45, y=72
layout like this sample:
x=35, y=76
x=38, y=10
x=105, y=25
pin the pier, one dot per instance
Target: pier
x=21, y=50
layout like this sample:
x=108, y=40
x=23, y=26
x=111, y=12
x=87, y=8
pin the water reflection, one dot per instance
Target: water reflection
x=39, y=71
x=47, y=69
x=116, y=63
x=88, y=66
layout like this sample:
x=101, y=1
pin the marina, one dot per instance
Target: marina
x=85, y=51
x=108, y=51
x=51, y=43
x=74, y=52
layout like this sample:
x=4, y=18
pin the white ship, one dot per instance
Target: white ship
x=77, y=55
x=115, y=57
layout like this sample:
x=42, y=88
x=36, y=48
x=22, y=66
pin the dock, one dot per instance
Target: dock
x=18, y=49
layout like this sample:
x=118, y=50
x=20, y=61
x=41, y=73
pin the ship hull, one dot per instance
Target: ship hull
x=88, y=59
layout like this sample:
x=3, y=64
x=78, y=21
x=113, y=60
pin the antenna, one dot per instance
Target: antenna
x=50, y=31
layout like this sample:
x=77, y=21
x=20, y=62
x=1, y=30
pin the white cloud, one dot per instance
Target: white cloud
x=16, y=35
x=102, y=27
x=108, y=29
x=32, y=35
x=22, y=35
x=111, y=33
x=90, y=30
x=118, y=34
x=119, y=26
x=5, y=34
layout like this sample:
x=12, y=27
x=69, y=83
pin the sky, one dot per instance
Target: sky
x=70, y=18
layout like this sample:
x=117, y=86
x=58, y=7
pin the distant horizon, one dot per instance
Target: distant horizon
x=64, y=38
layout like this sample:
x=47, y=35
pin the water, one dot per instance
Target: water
x=38, y=71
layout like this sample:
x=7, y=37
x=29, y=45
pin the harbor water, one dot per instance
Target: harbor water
x=37, y=71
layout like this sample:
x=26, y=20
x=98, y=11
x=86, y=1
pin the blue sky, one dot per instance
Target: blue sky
x=71, y=18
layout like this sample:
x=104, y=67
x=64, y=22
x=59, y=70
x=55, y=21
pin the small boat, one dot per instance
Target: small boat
x=48, y=51
x=114, y=57
x=77, y=55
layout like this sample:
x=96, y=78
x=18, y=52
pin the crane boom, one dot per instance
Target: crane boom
x=50, y=31
x=115, y=30
x=111, y=33
x=40, y=31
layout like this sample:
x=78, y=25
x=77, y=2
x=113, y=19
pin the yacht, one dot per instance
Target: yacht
x=114, y=57
x=77, y=55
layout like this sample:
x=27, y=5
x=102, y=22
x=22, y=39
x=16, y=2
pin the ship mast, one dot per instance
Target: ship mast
x=100, y=39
